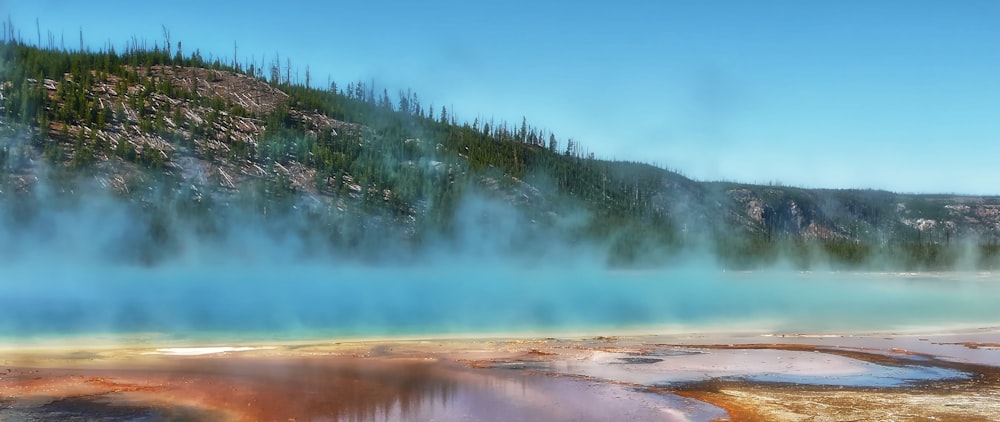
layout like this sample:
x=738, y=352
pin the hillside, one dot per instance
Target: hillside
x=191, y=145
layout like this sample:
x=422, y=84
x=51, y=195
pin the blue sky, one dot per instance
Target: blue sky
x=898, y=95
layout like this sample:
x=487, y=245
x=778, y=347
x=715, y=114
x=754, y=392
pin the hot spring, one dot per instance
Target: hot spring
x=304, y=301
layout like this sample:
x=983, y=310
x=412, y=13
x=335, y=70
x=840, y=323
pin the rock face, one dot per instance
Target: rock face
x=853, y=214
x=197, y=121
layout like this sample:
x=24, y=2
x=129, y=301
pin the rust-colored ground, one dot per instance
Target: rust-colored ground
x=449, y=380
x=301, y=388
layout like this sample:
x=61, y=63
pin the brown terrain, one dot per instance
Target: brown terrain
x=222, y=130
x=511, y=379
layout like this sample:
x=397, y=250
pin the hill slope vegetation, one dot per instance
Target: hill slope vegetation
x=190, y=145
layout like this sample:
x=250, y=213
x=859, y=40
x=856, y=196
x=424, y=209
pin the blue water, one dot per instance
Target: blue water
x=311, y=300
x=875, y=376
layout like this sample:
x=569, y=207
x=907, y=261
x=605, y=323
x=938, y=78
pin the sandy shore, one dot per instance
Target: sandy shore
x=878, y=376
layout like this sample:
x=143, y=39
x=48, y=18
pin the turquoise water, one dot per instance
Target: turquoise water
x=875, y=376
x=308, y=301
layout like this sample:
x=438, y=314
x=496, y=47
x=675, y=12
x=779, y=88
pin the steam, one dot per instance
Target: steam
x=166, y=260
x=63, y=275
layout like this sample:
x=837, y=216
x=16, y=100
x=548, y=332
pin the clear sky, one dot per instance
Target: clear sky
x=898, y=95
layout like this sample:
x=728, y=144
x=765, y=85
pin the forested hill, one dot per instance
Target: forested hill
x=190, y=144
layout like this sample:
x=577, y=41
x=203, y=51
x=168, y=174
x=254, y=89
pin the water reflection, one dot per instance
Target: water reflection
x=327, y=388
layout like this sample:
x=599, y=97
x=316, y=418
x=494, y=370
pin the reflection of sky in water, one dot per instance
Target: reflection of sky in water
x=501, y=398
x=875, y=376
x=677, y=367
x=299, y=300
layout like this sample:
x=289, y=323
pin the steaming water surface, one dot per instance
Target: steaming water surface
x=309, y=301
